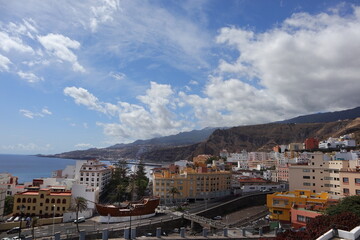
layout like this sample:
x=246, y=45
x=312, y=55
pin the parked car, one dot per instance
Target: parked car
x=217, y=218
x=79, y=220
x=17, y=219
x=10, y=219
x=13, y=230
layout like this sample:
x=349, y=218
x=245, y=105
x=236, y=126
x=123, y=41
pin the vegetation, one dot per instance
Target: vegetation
x=126, y=185
x=347, y=204
x=80, y=204
x=173, y=191
x=9, y=204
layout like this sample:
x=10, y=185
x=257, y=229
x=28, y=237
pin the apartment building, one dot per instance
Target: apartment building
x=280, y=203
x=93, y=173
x=198, y=183
x=10, y=183
x=43, y=202
x=350, y=181
x=320, y=174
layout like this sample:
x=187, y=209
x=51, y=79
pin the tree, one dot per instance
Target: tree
x=141, y=180
x=347, y=204
x=115, y=191
x=173, y=191
x=80, y=204
x=9, y=204
x=34, y=223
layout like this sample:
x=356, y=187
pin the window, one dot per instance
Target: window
x=52, y=200
x=306, y=170
x=58, y=201
x=306, y=184
x=64, y=201
x=357, y=191
x=301, y=218
x=18, y=200
x=346, y=191
x=306, y=177
x=277, y=212
x=47, y=201
x=357, y=180
x=42, y=196
x=328, y=178
x=34, y=200
x=29, y=200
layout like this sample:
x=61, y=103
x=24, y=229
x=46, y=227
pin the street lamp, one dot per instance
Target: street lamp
x=53, y=228
x=131, y=209
x=22, y=209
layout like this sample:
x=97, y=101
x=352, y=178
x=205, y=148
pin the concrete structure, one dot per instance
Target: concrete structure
x=280, y=203
x=10, y=183
x=341, y=142
x=350, y=181
x=93, y=173
x=198, y=183
x=295, y=146
x=89, y=193
x=301, y=214
x=341, y=234
x=2, y=201
x=43, y=202
x=318, y=175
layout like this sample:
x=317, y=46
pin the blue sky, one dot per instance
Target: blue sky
x=82, y=74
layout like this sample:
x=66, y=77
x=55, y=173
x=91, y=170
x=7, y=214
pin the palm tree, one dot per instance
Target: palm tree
x=34, y=223
x=173, y=191
x=80, y=204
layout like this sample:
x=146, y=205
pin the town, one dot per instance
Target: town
x=289, y=187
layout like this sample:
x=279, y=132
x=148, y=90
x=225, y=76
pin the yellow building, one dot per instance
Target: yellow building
x=198, y=183
x=280, y=203
x=43, y=202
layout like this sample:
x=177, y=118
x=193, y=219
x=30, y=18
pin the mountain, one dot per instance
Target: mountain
x=326, y=117
x=260, y=137
x=180, y=139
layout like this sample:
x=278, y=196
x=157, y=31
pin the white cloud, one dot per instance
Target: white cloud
x=83, y=97
x=84, y=145
x=118, y=76
x=31, y=115
x=103, y=13
x=303, y=65
x=30, y=77
x=154, y=116
x=9, y=43
x=59, y=46
x=4, y=63
x=193, y=82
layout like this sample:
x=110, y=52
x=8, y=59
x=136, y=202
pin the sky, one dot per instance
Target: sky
x=82, y=74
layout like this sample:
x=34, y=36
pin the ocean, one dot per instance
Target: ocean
x=28, y=167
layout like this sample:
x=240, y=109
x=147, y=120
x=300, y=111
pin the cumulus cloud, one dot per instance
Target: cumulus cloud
x=59, y=46
x=4, y=63
x=309, y=63
x=31, y=115
x=103, y=12
x=30, y=77
x=9, y=43
x=83, y=97
x=153, y=116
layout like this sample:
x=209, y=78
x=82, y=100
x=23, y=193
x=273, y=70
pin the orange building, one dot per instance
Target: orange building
x=43, y=203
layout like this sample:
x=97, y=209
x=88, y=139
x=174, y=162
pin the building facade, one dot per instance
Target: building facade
x=43, y=202
x=320, y=174
x=198, y=183
x=94, y=174
x=280, y=203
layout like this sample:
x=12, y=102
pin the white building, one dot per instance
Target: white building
x=93, y=173
x=89, y=193
x=10, y=183
x=343, y=141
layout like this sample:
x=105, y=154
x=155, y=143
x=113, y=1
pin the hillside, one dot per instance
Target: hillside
x=251, y=138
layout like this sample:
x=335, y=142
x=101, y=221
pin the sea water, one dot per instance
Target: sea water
x=28, y=167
